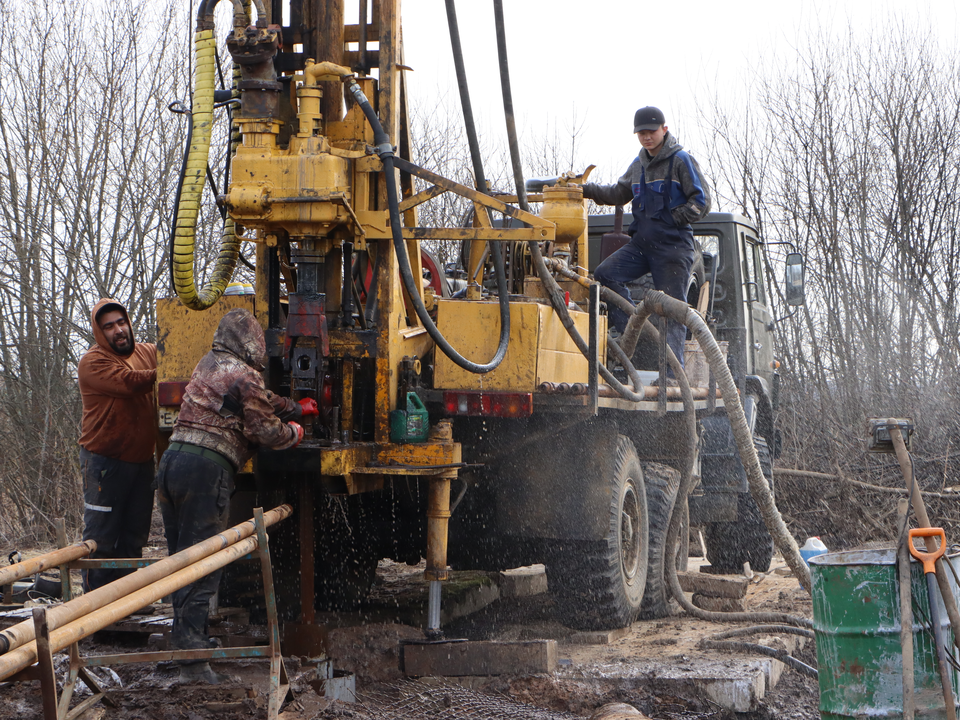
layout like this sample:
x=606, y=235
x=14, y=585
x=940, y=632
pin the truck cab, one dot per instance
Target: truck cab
x=729, y=285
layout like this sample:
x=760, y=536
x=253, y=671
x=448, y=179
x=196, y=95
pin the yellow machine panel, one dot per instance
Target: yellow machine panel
x=540, y=349
x=185, y=335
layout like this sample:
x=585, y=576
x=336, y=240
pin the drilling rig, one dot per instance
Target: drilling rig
x=491, y=418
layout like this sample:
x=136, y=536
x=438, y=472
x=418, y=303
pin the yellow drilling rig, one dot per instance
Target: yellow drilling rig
x=490, y=417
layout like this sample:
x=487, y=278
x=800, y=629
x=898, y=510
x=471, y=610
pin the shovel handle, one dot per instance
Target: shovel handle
x=928, y=558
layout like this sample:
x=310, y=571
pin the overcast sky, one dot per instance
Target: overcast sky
x=601, y=60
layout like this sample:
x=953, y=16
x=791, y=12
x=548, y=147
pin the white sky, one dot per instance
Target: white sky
x=601, y=60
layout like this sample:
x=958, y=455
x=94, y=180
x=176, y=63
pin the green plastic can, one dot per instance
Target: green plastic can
x=412, y=424
x=856, y=619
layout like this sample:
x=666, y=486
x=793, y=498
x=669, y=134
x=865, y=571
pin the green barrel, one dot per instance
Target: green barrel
x=856, y=619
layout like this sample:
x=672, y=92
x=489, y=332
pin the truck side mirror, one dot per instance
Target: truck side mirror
x=793, y=282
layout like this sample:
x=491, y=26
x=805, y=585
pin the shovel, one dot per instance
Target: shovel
x=929, y=560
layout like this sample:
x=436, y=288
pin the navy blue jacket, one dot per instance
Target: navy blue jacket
x=689, y=193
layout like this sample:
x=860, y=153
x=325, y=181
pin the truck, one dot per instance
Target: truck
x=475, y=431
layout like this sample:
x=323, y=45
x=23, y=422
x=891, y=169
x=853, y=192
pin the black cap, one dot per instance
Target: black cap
x=647, y=118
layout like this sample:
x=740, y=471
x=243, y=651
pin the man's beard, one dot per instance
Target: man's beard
x=128, y=348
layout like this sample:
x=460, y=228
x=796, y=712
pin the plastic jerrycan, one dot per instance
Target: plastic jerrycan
x=812, y=547
x=411, y=424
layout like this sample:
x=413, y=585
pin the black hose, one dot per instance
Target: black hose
x=508, y=106
x=385, y=151
x=720, y=642
x=176, y=199
x=472, y=139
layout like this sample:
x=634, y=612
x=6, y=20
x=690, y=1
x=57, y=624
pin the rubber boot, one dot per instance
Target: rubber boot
x=202, y=673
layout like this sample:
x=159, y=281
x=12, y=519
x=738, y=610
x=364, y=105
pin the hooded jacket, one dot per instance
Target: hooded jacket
x=226, y=407
x=119, y=415
x=689, y=194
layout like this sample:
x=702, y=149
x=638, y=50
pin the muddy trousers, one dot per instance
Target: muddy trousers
x=117, y=505
x=193, y=493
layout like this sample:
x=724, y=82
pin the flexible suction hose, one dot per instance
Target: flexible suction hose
x=677, y=310
x=183, y=249
x=662, y=304
x=385, y=151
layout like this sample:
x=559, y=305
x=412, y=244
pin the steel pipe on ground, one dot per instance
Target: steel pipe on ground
x=24, y=656
x=18, y=635
x=40, y=563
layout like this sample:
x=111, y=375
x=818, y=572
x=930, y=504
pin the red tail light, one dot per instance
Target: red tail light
x=508, y=405
x=326, y=392
x=170, y=393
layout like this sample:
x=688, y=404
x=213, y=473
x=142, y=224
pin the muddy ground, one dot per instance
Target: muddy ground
x=370, y=651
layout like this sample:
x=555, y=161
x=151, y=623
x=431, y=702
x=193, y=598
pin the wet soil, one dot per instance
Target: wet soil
x=370, y=651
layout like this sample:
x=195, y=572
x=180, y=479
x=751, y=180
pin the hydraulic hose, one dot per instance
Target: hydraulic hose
x=194, y=177
x=385, y=151
x=508, y=114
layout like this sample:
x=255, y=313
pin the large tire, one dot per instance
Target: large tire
x=662, y=483
x=731, y=544
x=599, y=585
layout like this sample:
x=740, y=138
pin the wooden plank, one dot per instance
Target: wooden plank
x=723, y=586
x=451, y=659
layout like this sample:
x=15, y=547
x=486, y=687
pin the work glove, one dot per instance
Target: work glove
x=309, y=407
x=299, y=429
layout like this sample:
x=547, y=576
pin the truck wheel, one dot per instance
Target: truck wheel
x=599, y=586
x=731, y=544
x=662, y=483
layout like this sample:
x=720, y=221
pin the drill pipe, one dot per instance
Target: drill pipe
x=16, y=660
x=47, y=560
x=14, y=637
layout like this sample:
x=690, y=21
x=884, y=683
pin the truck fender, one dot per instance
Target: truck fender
x=762, y=424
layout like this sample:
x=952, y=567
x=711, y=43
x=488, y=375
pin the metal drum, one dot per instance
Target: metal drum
x=856, y=617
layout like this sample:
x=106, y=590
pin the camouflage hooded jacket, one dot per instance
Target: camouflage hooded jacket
x=226, y=406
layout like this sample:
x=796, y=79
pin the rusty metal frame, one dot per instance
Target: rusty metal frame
x=538, y=228
x=54, y=709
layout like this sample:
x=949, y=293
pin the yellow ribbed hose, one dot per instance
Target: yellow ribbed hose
x=194, y=178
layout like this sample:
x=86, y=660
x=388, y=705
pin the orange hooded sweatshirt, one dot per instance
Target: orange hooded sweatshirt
x=119, y=415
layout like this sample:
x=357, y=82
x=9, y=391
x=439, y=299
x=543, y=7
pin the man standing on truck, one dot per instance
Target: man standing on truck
x=118, y=433
x=227, y=413
x=668, y=193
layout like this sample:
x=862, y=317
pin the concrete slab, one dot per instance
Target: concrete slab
x=482, y=657
x=523, y=581
x=597, y=637
x=724, y=586
x=717, y=604
x=733, y=685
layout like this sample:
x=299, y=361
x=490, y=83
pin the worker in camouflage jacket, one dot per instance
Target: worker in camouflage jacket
x=669, y=193
x=227, y=414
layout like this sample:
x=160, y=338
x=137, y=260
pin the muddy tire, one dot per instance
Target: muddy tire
x=731, y=544
x=662, y=483
x=599, y=585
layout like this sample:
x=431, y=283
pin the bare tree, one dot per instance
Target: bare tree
x=850, y=150
x=88, y=162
